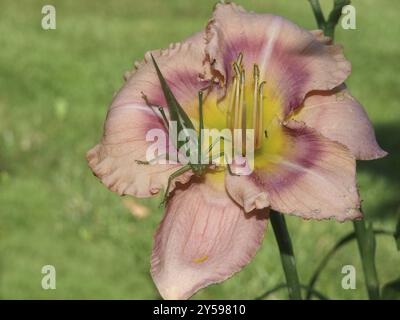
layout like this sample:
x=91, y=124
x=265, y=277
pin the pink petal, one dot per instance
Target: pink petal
x=292, y=60
x=129, y=119
x=203, y=239
x=114, y=159
x=182, y=65
x=340, y=117
x=314, y=178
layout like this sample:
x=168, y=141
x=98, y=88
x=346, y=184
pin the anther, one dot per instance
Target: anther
x=240, y=59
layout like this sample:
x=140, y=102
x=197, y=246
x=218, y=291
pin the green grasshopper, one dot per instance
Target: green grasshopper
x=184, y=123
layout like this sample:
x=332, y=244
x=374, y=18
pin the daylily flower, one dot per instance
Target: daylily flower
x=273, y=76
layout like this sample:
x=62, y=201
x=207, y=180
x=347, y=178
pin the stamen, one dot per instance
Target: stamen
x=229, y=120
x=240, y=104
x=236, y=113
x=242, y=111
x=259, y=123
x=256, y=79
x=237, y=68
x=239, y=59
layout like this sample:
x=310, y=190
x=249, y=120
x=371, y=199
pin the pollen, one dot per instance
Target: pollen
x=200, y=260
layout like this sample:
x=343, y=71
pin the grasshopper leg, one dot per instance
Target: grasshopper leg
x=163, y=156
x=160, y=109
x=174, y=175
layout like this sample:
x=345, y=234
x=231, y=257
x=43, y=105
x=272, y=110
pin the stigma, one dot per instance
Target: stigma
x=237, y=107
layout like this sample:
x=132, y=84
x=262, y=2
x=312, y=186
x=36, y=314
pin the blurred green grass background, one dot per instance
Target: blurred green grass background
x=55, y=87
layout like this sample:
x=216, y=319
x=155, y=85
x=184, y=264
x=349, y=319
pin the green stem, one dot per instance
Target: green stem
x=286, y=252
x=365, y=236
x=319, y=16
x=343, y=241
x=328, y=26
x=397, y=233
x=366, y=245
x=334, y=17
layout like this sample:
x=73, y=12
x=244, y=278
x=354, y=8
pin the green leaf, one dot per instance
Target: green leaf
x=342, y=242
x=391, y=290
